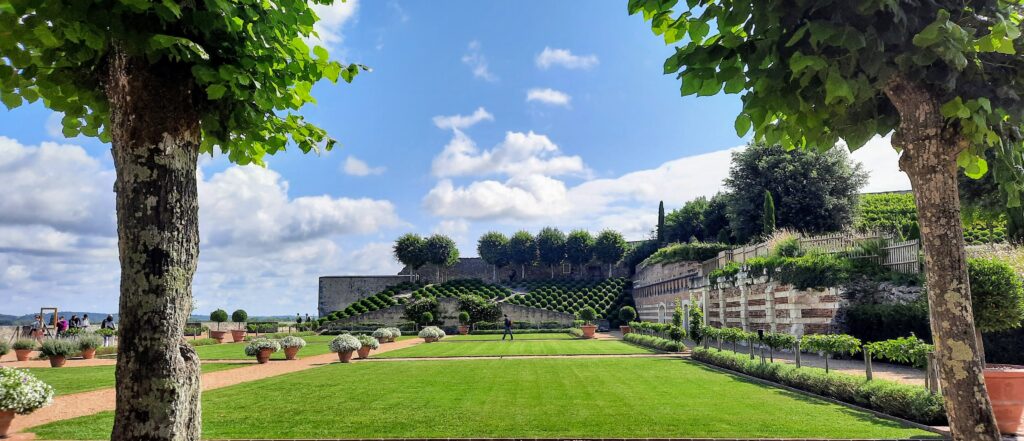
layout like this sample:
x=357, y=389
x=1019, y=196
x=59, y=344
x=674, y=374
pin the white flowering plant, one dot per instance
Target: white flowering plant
x=383, y=333
x=21, y=392
x=292, y=341
x=345, y=343
x=395, y=332
x=254, y=347
x=368, y=341
x=432, y=332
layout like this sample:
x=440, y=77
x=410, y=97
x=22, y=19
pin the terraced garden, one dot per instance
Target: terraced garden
x=570, y=296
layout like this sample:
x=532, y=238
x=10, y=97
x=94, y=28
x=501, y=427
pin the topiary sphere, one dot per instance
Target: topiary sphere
x=239, y=316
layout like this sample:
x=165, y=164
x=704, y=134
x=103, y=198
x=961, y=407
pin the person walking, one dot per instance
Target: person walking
x=508, y=329
x=107, y=323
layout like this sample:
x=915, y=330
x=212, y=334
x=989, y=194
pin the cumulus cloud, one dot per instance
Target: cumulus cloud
x=356, y=167
x=548, y=96
x=462, y=122
x=333, y=18
x=525, y=197
x=519, y=154
x=477, y=62
x=565, y=58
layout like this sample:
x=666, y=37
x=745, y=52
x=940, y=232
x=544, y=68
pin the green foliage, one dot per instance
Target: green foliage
x=441, y=250
x=416, y=311
x=246, y=64
x=788, y=247
x=696, y=324
x=464, y=318
x=779, y=340
x=431, y=332
x=587, y=314
x=202, y=342
x=256, y=345
x=239, y=316
x=579, y=247
x=660, y=231
x=677, y=317
x=89, y=341
x=814, y=271
x=888, y=212
x=478, y=309
x=345, y=343
x=716, y=220
x=764, y=266
x=768, y=214
x=550, y=246
x=493, y=248
x=831, y=344
x=877, y=322
x=686, y=223
x=627, y=314
x=427, y=317
x=650, y=341
x=569, y=296
x=24, y=343
x=58, y=347
x=728, y=272
x=219, y=316
x=410, y=249
x=638, y=253
x=914, y=403
x=904, y=350
x=522, y=248
x=609, y=247
x=676, y=333
x=686, y=252
x=997, y=295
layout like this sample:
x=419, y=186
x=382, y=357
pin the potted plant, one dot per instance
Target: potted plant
x=219, y=316
x=627, y=314
x=395, y=333
x=262, y=348
x=997, y=297
x=291, y=346
x=4, y=348
x=463, y=323
x=345, y=345
x=23, y=348
x=20, y=393
x=239, y=317
x=588, y=315
x=383, y=335
x=431, y=334
x=367, y=343
x=57, y=350
x=87, y=343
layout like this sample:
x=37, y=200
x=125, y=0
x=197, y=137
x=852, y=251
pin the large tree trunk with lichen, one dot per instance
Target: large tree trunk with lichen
x=155, y=131
x=929, y=159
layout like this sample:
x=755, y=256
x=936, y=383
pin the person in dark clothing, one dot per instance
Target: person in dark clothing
x=508, y=329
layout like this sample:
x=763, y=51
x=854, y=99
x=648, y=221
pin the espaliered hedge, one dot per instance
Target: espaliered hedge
x=460, y=287
x=650, y=341
x=570, y=296
x=912, y=403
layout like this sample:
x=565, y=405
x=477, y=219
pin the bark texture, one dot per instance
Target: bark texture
x=929, y=159
x=156, y=134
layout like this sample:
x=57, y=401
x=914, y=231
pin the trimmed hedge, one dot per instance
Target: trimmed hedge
x=650, y=341
x=687, y=252
x=519, y=331
x=203, y=342
x=908, y=402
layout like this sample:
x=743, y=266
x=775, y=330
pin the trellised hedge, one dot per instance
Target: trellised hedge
x=650, y=341
x=912, y=403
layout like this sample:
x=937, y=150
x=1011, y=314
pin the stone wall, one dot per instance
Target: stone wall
x=337, y=292
x=476, y=268
x=449, y=312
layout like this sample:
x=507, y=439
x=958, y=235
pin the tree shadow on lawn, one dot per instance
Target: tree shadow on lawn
x=807, y=398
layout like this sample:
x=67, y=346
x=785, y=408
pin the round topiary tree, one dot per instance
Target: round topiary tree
x=464, y=318
x=219, y=316
x=997, y=296
x=627, y=314
x=427, y=318
x=588, y=315
x=239, y=316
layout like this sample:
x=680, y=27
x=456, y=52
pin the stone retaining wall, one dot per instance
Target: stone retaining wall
x=337, y=292
x=449, y=309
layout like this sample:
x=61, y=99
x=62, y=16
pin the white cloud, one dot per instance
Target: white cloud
x=519, y=154
x=881, y=161
x=356, y=167
x=452, y=227
x=564, y=58
x=527, y=197
x=333, y=18
x=462, y=122
x=477, y=62
x=548, y=96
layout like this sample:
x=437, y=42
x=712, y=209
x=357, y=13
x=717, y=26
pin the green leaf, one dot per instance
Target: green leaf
x=955, y=108
x=11, y=100
x=837, y=87
x=320, y=52
x=742, y=125
x=215, y=91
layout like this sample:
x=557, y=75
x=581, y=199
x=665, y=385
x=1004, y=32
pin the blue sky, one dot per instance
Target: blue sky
x=477, y=116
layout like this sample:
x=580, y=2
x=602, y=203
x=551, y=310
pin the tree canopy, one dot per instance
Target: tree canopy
x=493, y=248
x=410, y=249
x=550, y=246
x=687, y=222
x=579, y=247
x=609, y=247
x=522, y=248
x=441, y=250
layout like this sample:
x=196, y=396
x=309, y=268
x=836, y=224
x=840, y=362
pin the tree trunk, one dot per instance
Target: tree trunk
x=929, y=159
x=156, y=137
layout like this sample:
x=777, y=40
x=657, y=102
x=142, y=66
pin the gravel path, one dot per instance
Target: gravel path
x=88, y=403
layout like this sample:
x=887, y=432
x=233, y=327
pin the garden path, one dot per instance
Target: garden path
x=88, y=403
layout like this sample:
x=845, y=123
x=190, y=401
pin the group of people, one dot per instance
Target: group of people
x=64, y=325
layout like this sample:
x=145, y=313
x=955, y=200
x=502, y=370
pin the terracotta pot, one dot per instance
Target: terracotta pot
x=89, y=354
x=22, y=354
x=218, y=335
x=463, y=330
x=429, y=339
x=6, y=417
x=345, y=357
x=289, y=353
x=364, y=352
x=625, y=329
x=382, y=340
x=57, y=360
x=237, y=335
x=589, y=330
x=391, y=339
x=264, y=355
x=1005, y=385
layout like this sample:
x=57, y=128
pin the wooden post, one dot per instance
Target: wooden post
x=867, y=363
x=762, y=354
x=797, y=351
x=751, y=344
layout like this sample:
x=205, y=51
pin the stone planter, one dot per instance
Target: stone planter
x=364, y=352
x=237, y=335
x=588, y=330
x=22, y=354
x=89, y=354
x=264, y=355
x=57, y=360
x=429, y=339
x=463, y=330
x=345, y=357
x=218, y=335
x=289, y=353
x=6, y=418
x=625, y=329
x=1005, y=385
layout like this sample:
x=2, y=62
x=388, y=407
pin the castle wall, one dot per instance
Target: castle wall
x=449, y=309
x=337, y=292
x=476, y=268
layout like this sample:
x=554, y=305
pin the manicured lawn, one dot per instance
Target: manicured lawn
x=315, y=345
x=528, y=398
x=446, y=348
x=490, y=337
x=71, y=380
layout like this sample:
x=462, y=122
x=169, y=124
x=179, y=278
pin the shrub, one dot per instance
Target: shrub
x=696, y=324
x=997, y=295
x=778, y=340
x=368, y=341
x=58, y=347
x=909, y=402
x=219, y=316
x=89, y=341
x=239, y=316
x=903, y=350
x=578, y=333
x=588, y=315
x=788, y=247
x=650, y=341
x=727, y=272
x=888, y=321
x=686, y=252
x=21, y=392
x=254, y=347
x=4, y=348
x=395, y=332
x=432, y=332
x=24, y=343
x=814, y=271
x=203, y=342
x=831, y=344
x=676, y=333
x=463, y=318
x=345, y=343
x=292, y=342
x=627, y=314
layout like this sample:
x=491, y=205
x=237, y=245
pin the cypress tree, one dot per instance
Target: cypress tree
x=769, y=213
x=661, y=223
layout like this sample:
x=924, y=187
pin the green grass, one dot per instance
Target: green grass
x=446, y=348
x=528, y=398
x=315, y=345
x=491, y=337
x=72, y=380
